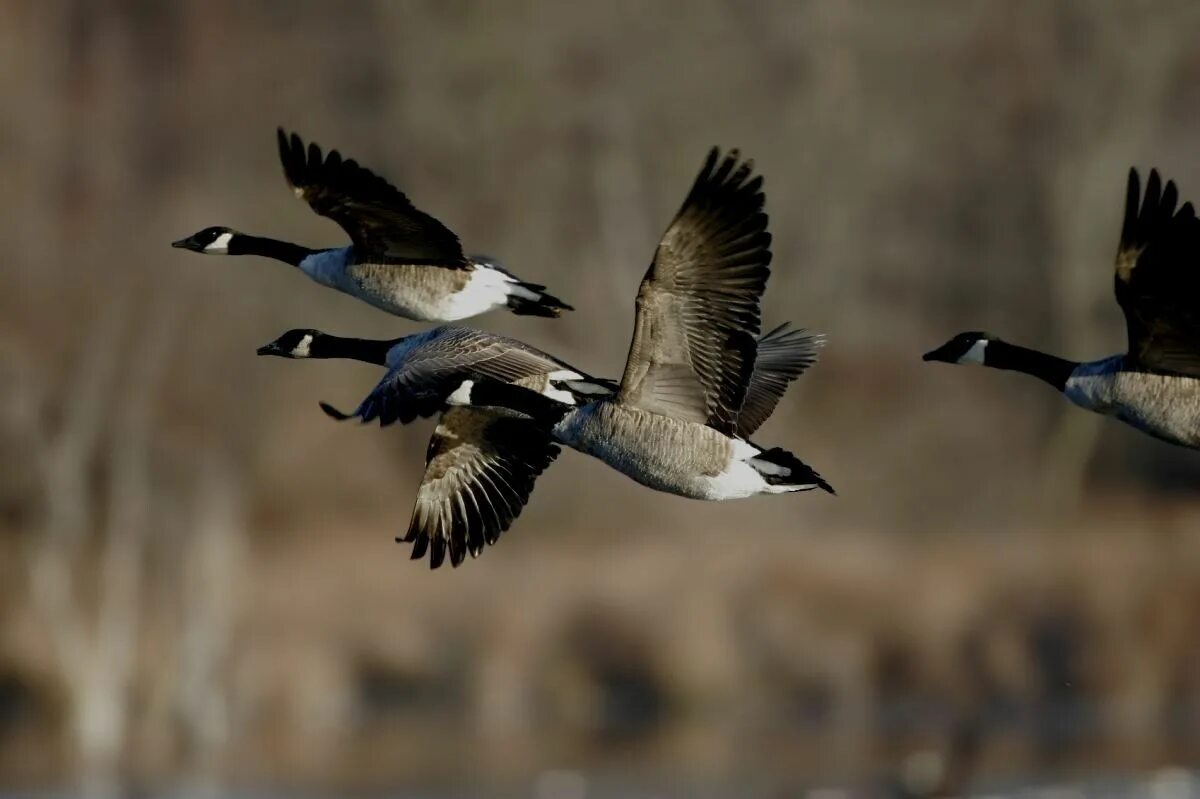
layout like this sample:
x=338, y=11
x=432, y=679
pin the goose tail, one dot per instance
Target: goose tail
x=523, y=298
x=781, y=468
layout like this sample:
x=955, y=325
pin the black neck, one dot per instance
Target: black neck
x=1052, y=369
x=497, y=394
x=241, y=244
x=366, y=350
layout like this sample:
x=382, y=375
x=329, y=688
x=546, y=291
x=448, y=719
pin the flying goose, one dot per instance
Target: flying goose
x=1155, y=386
x=681, y=418
x=490, y=456
x=480, y=464
x=401, y=259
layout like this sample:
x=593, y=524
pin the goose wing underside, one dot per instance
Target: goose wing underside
x=479, y=472
x=381, y=221
x=418, y=382
x=783, y=355
x=1157, y=278
x=697, y=317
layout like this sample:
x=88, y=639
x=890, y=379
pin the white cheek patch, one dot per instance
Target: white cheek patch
x=462, y=394
x=975, y=354
x=301, y=350
x=220, y=244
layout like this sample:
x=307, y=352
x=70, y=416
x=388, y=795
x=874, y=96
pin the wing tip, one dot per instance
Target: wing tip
x=334, y=413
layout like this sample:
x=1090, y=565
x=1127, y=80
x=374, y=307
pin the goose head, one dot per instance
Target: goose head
x=211, y=241
x=965, y=348
x=295, y=344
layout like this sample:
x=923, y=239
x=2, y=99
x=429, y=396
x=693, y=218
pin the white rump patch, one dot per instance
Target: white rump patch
x=462, y=394
x=564, y=374
x=219, y=245
x=766, y=467
x=301, y=350
x=737, y=480
x=487, y=288
x=559, y=395
x=975, y=353
x=743, y=450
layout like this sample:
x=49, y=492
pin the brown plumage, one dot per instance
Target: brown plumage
x=693, y=345
x=783, y=355
x=480, y=468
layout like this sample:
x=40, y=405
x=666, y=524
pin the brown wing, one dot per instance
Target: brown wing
x=783, y=355
x=437, y=361
x=698, y=306
x=1158, y=278
x=479, y=472
x=380, y=220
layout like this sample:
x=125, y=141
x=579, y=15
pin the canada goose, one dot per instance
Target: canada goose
x=480, y=464
x=492, y=456
x=1155, y=386
x=401, y=259
x=679, y=422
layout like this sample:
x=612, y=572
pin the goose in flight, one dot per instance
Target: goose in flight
x=681, y=420
x=401, y=259
x=480, y=464
x=1155, y=385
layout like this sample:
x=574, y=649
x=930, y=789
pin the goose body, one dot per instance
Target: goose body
x=481, y=464
x=1155, y=385
x=401, y=259
x=683, y=458
x=688, y=400
x=1166, y=406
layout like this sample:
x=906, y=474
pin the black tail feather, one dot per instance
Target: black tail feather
x=798, y=472
x=334, y=413
x=544, y=304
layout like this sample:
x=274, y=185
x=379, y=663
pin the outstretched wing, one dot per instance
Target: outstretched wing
x=426, y=367
x=479, y=472
x=698, y=306
x=383, y=224
x=783, y=355
x=1158, y=277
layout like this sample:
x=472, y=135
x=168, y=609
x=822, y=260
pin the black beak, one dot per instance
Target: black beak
x=940, y=354
x=185, y=244
x=269, y=349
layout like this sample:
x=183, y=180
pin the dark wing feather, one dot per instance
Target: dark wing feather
x=438, y=361
x=479, y=472
x=1157, y=279
x=383, y=224
x=693, y=343
x=783, y=355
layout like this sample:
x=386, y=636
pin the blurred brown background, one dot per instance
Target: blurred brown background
x=200, y=589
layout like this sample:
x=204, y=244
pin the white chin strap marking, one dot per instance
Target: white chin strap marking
x=975, y=354
x=219, y=244
x=301, y=350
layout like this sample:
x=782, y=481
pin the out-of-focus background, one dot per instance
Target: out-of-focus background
x=200, y=590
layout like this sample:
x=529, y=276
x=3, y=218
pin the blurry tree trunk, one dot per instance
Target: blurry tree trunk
x=621, y=205
x=211, y=568
x=95, y=650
